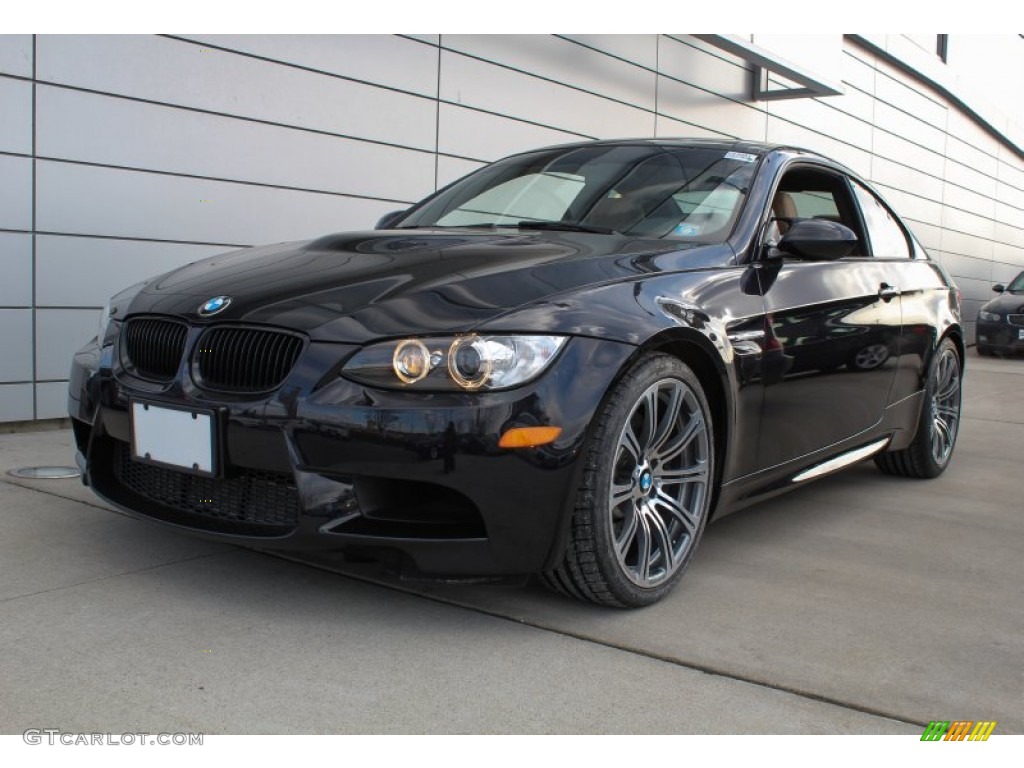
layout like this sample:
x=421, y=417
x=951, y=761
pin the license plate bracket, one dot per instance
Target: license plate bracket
x=176, y=437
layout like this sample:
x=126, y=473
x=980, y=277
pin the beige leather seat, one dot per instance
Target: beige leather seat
x=782, y=207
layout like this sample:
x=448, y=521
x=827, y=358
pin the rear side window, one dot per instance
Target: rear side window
x=888, y=240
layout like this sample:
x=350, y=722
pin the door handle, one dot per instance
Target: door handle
x=888, y=292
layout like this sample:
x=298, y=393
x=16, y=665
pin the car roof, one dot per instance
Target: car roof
x=682, y=142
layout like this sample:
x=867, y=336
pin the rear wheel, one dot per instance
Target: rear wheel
x=646, y=490
x=929, y=454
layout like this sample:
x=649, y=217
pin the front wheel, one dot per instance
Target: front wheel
x=929, y=454
x=646, y=489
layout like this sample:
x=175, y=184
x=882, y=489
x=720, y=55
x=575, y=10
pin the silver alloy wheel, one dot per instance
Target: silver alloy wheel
x=945, y=405
x=871, y=356
x=659, y=486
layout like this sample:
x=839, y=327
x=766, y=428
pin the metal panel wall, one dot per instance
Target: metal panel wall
x=127, y=156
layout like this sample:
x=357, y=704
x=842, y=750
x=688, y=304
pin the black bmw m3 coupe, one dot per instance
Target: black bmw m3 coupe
x=566, y=364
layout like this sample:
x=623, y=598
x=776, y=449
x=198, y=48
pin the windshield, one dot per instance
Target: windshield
x=1017, y=286
x=648, y=191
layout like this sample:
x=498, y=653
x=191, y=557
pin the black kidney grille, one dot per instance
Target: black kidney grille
x=245, y=359
x=153, y=347
x=249, y=502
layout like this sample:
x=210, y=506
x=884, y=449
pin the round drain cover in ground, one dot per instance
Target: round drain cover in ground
x=45, y=473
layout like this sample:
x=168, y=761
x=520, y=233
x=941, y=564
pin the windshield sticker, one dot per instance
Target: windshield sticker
x=686, y=230
x=743, y=157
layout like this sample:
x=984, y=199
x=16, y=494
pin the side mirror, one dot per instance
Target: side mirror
x=385, y=221
x=818, y=240
x=998, y=287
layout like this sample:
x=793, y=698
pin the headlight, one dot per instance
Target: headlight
x=991, y=317
x=468, y=363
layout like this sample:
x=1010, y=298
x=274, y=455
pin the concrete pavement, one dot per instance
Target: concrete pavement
x=861, y=604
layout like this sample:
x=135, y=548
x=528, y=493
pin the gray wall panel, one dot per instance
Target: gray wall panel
x=486, y=86
x=145, y=205
x=692, y=105
x=16, y=270
x=562, y=61
x=113, y=131
x=640, y=49
x=86, y=271
x=16, y=55
x=890, y=88
x=667, y=127
x=476, y=134
x=451, y=168
x=15, y=402
x=59, y=332
x=699, y=64
x=185, y=74
x=785, y=132
x=381, y=59
x=900, y=150
x=289, y=137
x=966, y=244
x=15, y=116
x=16, y=345
x=15, y=192
x=901, y=176
x=809, y=112
x=52, y=400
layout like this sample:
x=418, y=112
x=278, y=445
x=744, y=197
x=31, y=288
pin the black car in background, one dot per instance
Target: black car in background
x=1001, y=321
x=565, y=363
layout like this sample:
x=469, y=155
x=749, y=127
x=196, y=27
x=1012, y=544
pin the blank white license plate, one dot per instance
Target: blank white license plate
x=173, y=437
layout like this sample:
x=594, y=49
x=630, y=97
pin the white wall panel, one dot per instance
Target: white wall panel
x=87, y=200
x=898, y=149
x=16, y=345
x=381, y=59
x=16, y=55
x=187, y=75
x=15, y=402
x=684, y=102
x=809, y=112
x=15, y=192
x=485, y=86
x=15, y=270
x=450, y=169
x=563, y=61
x=668, y=127
x=113, y=131
x=858, y=70
x=15, y=116
x=639, y=49
x=52, y=399
x=700, y=64
x=475, y=134
x=901, y=176
x=890, y=89
x=86, y=271
x=59, y=333
x=785, y=132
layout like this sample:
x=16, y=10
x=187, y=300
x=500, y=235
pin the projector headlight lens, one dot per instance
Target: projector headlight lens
x=453, y=363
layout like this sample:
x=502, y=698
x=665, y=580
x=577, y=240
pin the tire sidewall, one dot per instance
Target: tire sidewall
x=649, y=371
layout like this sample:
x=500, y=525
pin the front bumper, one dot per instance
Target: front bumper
x=999, y=336
x=329, y=465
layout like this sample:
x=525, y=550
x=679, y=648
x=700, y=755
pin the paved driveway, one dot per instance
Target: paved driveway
x=861, y=604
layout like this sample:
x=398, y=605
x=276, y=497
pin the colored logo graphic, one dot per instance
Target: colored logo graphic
x=214, y=305
x=958, y=730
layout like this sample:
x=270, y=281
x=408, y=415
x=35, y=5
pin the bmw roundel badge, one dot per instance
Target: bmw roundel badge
x=214, y=305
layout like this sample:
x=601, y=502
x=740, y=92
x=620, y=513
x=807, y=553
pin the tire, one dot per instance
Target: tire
x=984, y=351
x=932, y=448
x=646, y=489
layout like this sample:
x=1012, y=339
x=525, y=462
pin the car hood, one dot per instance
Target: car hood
x=358, y=286
x=1006, y=303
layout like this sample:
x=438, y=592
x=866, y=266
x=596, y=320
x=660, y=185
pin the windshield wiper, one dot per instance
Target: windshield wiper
x=562, y=226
